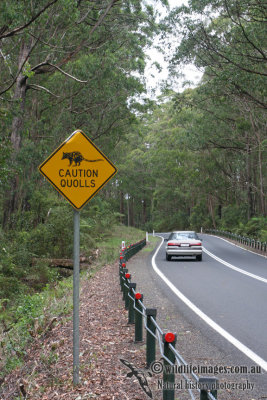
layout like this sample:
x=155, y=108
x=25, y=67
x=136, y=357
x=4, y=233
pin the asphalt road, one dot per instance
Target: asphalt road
x=233, y=294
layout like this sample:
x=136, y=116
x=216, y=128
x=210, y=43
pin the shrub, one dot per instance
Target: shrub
x=232, y=216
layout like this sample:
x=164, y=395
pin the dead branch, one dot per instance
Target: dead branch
x=62, y=262
x=40, y=89
x=57, y=68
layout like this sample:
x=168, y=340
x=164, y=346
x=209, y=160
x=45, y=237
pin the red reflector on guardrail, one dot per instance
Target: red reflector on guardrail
x=123, y=265
x=169, y=337
x=138, y=296
x=127, y=276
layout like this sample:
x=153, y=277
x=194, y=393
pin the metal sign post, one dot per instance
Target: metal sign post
x=76, y=296
x=78, y=170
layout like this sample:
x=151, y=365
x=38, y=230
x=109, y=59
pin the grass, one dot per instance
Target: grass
x=35, y=312
x=152, y=241
x=31, y=319
x=110, y=246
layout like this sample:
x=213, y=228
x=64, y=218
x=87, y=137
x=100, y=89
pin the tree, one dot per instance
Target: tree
x=56, y=53
x=226, y=39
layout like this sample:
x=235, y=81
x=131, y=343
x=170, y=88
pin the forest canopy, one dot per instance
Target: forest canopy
x=203, y=149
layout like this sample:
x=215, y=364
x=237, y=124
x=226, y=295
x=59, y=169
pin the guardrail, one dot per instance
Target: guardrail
x=132, y=249
x=143, y=317
x=253, y=243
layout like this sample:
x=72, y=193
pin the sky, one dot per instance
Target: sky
x=154, y=78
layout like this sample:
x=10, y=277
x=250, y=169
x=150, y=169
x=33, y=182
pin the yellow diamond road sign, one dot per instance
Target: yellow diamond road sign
x=78, y=169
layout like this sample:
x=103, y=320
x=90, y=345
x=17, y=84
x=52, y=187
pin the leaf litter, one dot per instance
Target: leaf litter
x=105, y=338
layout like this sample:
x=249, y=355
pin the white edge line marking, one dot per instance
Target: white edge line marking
x=240, y=346
x=236, y=245
x=242, y=271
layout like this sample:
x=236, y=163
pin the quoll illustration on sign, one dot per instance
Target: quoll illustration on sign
x=78, y=169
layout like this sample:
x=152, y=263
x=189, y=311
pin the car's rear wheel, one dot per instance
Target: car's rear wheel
x=168, y=257
x=199, y=257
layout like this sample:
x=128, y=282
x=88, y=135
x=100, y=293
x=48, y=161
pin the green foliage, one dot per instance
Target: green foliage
x=256, y=228
x=10, y=286
x=263, y=235
x=223, y=118
x=199, y=217
x=46, y=231
x=232, y=216
x=5, y=170
x=27, y=71
x=191, y=161
x=30, y=315
x=110, y=245
x=54, y=238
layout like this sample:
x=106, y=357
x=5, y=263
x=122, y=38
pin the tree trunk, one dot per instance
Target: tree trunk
x=249, y=178
x=262, y=198
x=220, y=211
x=211, y=210
x=122, y=207
x=131, y=212
x=19, y=99
x=144, y=212
x=261, y=184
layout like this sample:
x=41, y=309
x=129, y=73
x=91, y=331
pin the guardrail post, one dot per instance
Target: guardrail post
x=253, y=243
x=150, y=339
x=206, y=384
x=138, y=318
x=121, y=272
x=123, y=283
x=121, y=258
x=127, y=299
x=125, y=253
x=132, y=287
x=169, y=373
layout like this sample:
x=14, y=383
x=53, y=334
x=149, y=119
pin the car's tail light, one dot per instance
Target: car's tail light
x=196, y=244
x=173, y=244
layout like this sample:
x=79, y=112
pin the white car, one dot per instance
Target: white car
x=183, y=243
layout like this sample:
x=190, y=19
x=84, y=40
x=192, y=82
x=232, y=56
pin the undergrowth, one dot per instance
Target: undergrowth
x=34, y=314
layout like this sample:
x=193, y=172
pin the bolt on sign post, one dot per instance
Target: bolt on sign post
x=78, y=170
